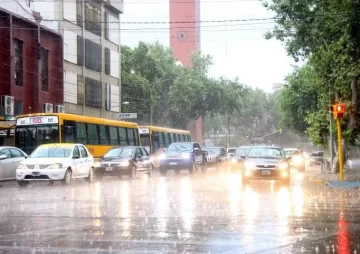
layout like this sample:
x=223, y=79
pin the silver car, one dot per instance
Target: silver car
x=10, y=157
x=266, y=162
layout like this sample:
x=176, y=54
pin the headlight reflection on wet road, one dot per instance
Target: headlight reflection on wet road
x=186, y=209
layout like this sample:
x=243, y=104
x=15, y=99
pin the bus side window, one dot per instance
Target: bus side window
x=155, y=141
x=114, y=136
x=131, y=136
x=81, y=134
x=123, y=136
x=68, y=132
x=92, y=133
x=136, y=133
x=104, y=134
x=166, y=139
x=161, y=139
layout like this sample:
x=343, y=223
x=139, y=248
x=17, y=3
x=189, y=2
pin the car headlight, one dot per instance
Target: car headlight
x=186, y=156
x=249, y=165
x=124, y=163
x=283, y=166
x=97, y=164
x=55, y=166
x=297, y=160
x=233, y=160
x=22, y=166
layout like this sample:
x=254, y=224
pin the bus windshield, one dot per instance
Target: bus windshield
x=28, y=138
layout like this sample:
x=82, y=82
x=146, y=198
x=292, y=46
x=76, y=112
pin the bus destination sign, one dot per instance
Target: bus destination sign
x=144, y=130
x=37, y=120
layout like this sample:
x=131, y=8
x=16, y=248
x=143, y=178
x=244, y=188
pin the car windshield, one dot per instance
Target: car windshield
x=266, y=152
x=242, y=151
x=232, y=150
x=289, y=151
x=51, y=152
x=180, y=147
x=120, y=152
x=212, y=150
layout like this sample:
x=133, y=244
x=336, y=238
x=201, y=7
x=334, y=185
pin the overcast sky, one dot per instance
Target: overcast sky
x=238, y=48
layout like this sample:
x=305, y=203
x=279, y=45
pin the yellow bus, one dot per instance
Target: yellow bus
x=97, y=134
x=155, y=139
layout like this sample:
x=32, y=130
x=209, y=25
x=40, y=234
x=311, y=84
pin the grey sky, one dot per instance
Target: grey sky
x=237, y=48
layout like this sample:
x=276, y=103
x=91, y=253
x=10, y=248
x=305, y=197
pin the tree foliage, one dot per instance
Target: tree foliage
x=164, y=93
x=325, y=33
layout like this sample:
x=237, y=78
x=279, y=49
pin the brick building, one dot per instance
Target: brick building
x=31, y=69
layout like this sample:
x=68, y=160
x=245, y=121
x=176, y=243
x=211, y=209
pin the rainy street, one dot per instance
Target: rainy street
x=205, y=213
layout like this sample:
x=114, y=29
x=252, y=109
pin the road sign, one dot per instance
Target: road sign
x=128, y=115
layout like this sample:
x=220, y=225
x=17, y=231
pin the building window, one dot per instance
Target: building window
x=93, y=93
x=18, y=107
x=44, y=69
x=80, y=50
x=93, y=56
x=79, y=13
x=80, y=89
x=18, y=47
x=107, y=61
x=108, y=97
x=93, y=17
x=106, y=25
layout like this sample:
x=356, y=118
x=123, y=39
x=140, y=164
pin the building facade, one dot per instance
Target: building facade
x=31, y=73
x=91, y=32
x=184, y=41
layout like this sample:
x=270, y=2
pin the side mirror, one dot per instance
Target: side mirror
x=3, y=157
x=164, y=149
x=138, y=157
x=289, y=157
x=76, y=157
x=242, y=156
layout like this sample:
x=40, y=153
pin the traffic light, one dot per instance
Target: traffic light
x=337, y=110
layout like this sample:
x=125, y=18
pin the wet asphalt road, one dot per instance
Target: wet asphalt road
x=211, y=213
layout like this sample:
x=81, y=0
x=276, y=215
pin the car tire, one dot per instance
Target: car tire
x=151, y=169
x=67, y=177
x=132, y=174
x=90, y=178
x=163, y=171
x=23, y=184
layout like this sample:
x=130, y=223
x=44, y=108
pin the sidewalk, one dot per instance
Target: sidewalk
x=324, y=178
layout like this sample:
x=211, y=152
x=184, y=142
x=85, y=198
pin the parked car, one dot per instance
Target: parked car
x=237, y=162
x=125, y=160
x=266, y=162
x=316, y=158
x=56, y=162
x=230, y=152
x=216, y=157
x=10, y=157
x=297, y=158
x=183, y=156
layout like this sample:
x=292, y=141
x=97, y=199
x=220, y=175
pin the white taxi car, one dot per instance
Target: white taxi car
x=56, y=162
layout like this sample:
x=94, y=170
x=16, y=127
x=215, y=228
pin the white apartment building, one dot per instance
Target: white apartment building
x=92, y=53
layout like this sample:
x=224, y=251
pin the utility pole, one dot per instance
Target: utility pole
x=330, y=131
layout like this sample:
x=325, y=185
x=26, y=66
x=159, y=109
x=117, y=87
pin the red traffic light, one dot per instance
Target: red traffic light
x=338, y=110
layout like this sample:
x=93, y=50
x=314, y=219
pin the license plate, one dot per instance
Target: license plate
x=172, y=163
x=266, y=172
x=35, y=174
x=108, y=168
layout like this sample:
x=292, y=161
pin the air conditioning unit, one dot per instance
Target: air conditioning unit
x=47, y=108
x=8, y=103
x=59, y=109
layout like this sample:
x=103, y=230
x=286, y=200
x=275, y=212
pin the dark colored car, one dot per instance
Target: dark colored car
x=183, y=155
x=297, y=158
x=216, y=157
x=237, y=161
x=125, y=160
x=266, y=162
x=316, y=158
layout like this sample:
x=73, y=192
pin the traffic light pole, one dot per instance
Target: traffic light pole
x=340, y=150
